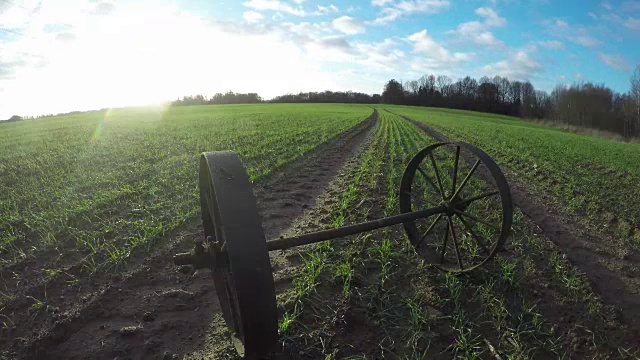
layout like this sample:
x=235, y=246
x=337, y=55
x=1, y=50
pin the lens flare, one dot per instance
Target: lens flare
x=98, y=131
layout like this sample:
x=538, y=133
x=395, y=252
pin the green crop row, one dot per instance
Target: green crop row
x=96, y=186
x=585, y=176
x=374, y=296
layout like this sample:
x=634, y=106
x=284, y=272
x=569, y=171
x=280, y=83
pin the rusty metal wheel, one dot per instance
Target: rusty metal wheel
x=242, y=272
x=479, y=209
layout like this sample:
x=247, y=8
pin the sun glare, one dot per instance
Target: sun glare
x=148, y=54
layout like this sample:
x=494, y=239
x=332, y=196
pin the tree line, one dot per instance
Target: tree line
x=328, y=97
x=582, y=104
x=303, y=97
x=219, y=98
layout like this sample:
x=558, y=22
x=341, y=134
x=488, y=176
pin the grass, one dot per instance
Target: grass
x=376, y=290
x=113, y=183
x=589, y=177
x=94, y=188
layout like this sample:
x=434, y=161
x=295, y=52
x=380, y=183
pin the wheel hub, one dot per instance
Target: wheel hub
x=454, y=206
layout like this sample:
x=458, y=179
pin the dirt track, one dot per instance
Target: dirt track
x=162, y=311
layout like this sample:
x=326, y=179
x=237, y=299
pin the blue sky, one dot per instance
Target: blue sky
x=69, y=55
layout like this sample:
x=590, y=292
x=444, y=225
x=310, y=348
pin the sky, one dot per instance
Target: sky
x=67, y=55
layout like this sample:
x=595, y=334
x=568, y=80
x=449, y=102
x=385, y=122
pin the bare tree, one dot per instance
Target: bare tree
x=443, y=82
x=635, y=91
x=422, y=83
x=414, y=86
x=431, y=83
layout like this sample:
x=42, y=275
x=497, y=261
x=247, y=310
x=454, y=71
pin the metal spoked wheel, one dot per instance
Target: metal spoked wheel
x=475, y=193
x=242, y=272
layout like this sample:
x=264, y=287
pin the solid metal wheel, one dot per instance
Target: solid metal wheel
x=242, y=273
x=479, y=209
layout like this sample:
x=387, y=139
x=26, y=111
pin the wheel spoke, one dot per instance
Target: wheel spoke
x=462, y=213
x=455, y=242
x=464, y=182
x=437, y=172
x=444, y=245
x=429, y=180
x=478, y=197
x=418, y=192
x=475, y=236
x=428, y=230
x=455, y=170
x=432, y=202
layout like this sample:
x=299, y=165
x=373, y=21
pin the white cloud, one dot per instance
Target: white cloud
x=437, y=54
x=561, y=24
x=274, y=5
x=478, y=32
x=394, y=11
x=304, y=32
x=615, y=61
x=491, y=17
x=631, y=6
x=336, y=43
x=280, y=6
x=586, y=40
x=606, y=5
x=380, y=2
x=520, y=65
x=422, y=6
x=322, y=10
x=331, y=49
x=387, y=15
x=384, y=55
x=632, y=24
x=252, y=16
x=348, y=25
x=592, y=15
x=577, y=34
x=552, y=44
x=32, y=16
x=579, y=77
x=487, y=38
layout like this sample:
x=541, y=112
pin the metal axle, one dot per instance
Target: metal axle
x=286, y=243
x=199, y=258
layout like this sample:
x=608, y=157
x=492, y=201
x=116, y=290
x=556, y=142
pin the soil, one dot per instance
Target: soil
x=580, y=246
x=152, y=310
x=353, y=334
x=297, y=189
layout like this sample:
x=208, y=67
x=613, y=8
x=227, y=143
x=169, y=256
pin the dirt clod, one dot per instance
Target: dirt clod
x=129, y=330
x=148, y=317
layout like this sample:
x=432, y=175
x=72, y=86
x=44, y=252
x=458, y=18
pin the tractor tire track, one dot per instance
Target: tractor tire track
x=572, y=239
x=153, y=310
x=296, y=186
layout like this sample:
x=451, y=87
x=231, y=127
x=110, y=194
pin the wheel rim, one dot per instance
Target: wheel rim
x=475, y=193
x=242, y=274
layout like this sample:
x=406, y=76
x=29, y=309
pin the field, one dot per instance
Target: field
x=93, y=205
